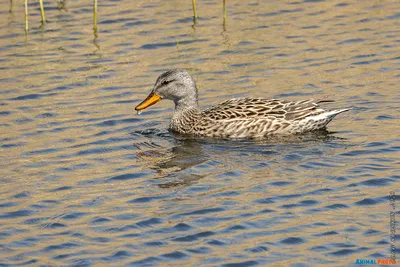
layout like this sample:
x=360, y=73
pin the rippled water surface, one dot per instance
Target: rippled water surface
x=85, y=181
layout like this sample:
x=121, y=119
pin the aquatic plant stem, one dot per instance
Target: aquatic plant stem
x=42, y=12
x=194, y=11
x=224, y=8
x=11, y=7
x=95, y=16
x=26, y=16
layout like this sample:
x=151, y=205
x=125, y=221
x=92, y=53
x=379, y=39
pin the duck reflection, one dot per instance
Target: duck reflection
x=174, y=164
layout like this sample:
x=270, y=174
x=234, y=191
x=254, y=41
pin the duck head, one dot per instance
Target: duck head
x=176, y=85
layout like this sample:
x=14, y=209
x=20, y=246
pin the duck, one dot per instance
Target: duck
x=244, y=117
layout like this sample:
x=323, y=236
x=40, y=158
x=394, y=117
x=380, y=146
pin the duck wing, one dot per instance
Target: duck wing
x=257, y=108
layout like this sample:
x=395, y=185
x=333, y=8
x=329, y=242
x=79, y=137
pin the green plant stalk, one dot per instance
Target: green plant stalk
x=11, y=6
x=194, y=9
x=224, y=7
x=95, y=15
x=42, y=12
x=26, y=16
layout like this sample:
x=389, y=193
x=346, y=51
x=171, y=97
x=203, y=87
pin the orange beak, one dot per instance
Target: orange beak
x=150, y=100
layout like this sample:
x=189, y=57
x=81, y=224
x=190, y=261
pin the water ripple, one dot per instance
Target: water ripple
x=86, y=182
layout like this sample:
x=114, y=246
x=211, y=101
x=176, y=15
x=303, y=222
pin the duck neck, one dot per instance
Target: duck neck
x=186, y=115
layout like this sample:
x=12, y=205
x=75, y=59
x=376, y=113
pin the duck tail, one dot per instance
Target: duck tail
x=329, y=115
x=324, y=101
x=333, y=113
x=322, y=119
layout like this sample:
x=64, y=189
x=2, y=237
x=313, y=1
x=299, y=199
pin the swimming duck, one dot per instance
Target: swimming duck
x=237, y=117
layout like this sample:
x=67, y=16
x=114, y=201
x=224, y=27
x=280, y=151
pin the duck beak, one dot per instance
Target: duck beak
x=150, y=100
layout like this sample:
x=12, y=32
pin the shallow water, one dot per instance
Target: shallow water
x=85, y=181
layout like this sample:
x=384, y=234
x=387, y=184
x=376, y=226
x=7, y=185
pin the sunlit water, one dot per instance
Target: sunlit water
x=85, y=181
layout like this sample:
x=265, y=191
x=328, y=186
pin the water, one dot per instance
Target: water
x=85, y=181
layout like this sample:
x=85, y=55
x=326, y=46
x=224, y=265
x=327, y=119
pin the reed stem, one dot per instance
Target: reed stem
x=42, y=12
x=224, y=7
x=11, y=7
x=194, y=10
x=95, y=16
x=26, y=16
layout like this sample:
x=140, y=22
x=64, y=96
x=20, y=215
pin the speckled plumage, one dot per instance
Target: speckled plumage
x=238, y=117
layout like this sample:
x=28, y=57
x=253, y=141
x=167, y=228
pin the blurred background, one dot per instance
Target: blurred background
x=85, y=181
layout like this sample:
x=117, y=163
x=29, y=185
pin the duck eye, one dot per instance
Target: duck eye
x=166, y=82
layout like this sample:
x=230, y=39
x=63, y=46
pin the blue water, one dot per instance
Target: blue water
x=85, y=181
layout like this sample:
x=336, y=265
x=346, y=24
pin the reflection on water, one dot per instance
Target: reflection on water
x=187, y=152
x=86, y=181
